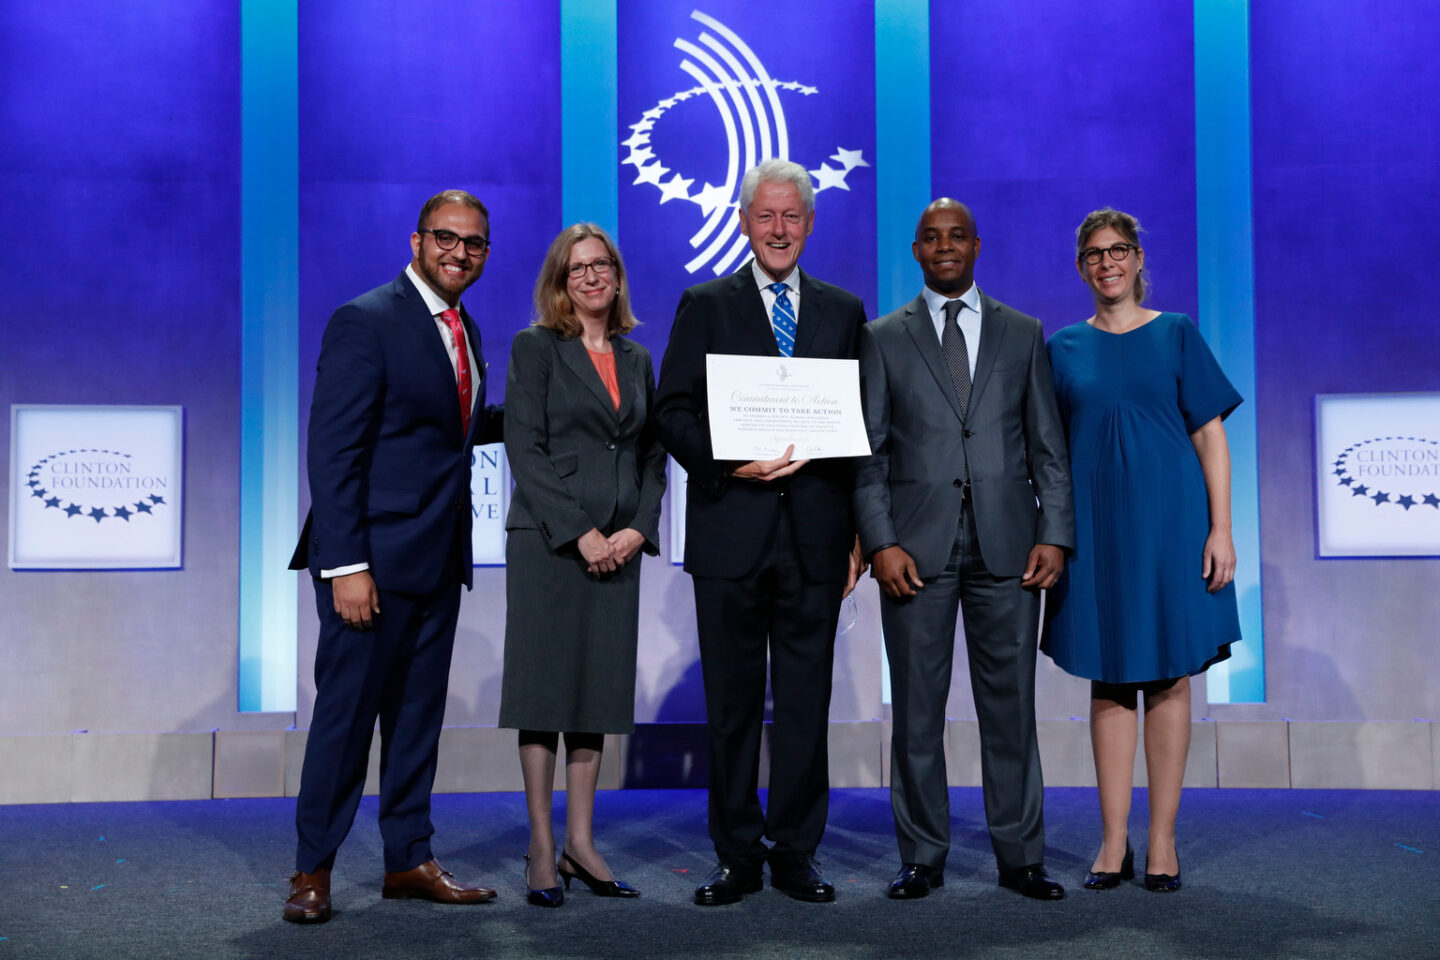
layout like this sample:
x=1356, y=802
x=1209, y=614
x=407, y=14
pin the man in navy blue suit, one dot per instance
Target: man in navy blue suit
x=399, y=402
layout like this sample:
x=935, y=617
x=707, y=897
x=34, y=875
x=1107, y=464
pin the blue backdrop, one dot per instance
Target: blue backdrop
x=704, y=97
x=1033, y=130
x=124, y=219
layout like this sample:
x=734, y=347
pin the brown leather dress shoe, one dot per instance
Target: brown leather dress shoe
x=430, y=881
x=309, y=899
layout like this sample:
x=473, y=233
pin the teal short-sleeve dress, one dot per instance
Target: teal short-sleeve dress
x=1132, y=606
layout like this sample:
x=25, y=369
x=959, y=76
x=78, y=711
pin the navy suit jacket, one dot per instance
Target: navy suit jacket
x=389, y=465
x=728, y=522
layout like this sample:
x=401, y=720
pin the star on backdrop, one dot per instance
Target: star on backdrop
x=648, y=166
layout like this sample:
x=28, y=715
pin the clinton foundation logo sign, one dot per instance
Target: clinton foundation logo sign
x=1401, y=472
x=95, y=487
x=1378, y=474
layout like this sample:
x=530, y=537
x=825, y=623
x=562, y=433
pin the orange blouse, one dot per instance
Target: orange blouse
x=605, y=366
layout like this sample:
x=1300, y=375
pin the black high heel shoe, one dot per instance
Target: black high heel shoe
x=548, y=897
x=601, y=888
x=1105, y=880
x=1163, y=882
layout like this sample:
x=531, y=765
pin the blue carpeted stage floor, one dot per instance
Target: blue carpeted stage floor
x=1268, y=874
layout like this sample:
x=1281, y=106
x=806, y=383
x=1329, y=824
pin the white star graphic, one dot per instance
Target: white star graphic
x=849, y=159
x=639, y=155
x=677, y=189
x=710, y=198
x=652, y=174
x=647, y=153
x=827, y=176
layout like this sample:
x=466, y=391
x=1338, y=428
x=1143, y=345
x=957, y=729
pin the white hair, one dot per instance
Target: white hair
x=777, y=171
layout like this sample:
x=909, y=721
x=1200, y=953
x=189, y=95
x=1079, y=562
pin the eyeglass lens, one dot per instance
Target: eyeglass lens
x=1117, y=251
x=446, y=240
x=600, y=265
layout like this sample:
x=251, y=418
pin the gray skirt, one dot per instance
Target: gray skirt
x=569, y=640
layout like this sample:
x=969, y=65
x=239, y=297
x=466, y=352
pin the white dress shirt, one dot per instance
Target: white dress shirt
x=792, y=282
x=968, y=318
x=436, y=306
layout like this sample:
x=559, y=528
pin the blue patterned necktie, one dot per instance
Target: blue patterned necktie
x=782, y=318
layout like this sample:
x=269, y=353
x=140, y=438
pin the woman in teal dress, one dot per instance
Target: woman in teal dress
x=1148, y=600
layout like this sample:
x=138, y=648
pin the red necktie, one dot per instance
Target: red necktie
x=462, y=365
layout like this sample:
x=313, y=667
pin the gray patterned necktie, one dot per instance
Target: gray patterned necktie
x=957, y=357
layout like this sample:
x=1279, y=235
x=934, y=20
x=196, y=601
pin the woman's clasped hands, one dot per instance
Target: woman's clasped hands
x=607, y=554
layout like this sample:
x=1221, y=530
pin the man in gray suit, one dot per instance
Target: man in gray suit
x=965, y=502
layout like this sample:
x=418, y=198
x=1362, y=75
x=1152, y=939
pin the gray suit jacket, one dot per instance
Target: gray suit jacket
x=577, y=462
x=909, y=489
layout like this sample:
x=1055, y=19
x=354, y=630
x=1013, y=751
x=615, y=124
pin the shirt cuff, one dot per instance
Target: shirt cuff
x=343, y=571
x=870, y=557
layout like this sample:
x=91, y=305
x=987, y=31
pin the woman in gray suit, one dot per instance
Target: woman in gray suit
x=589, y=474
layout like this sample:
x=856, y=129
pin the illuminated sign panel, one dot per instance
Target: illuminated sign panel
x=1377, y=474
x=96, y=487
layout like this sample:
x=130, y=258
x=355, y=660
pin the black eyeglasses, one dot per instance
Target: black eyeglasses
x=446, y=240
x=1117, y=251
x=601, y=266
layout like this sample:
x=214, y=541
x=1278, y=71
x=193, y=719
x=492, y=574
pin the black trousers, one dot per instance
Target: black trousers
x=398, y=671
x=1001, y=632
x=773, y=610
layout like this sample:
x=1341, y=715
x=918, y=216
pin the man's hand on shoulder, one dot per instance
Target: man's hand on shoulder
x=765, y=471
x=1043, y=567
x=356, y=599
x=895, y=571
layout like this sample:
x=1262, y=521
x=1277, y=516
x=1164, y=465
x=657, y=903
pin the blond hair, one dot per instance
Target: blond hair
x=553, y=309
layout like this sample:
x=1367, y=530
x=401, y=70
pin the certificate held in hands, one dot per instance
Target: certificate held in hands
x=760, y=405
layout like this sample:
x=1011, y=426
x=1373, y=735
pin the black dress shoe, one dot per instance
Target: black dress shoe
x=1032, y=881
x=1105, y=880
x=797, y=875
x=542, y=896
x=915, y=880
x=601, y=888
x=1163, y=882
x=727, y=883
